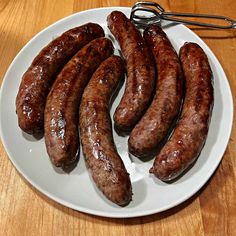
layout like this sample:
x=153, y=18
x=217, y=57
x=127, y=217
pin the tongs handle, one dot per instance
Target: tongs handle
x=230, y=23
x=160, y=14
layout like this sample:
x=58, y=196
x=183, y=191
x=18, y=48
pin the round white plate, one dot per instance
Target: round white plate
x=76, y=190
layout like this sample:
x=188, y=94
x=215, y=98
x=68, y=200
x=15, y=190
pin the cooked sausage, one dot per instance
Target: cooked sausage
x=190, y=134
x=154, y=126
x=106, y=166
x=140, y=71
x=61, y=111
x=37, y=80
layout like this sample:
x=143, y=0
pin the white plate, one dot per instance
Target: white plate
x=76, y=189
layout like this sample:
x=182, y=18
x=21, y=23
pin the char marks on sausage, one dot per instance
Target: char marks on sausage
x=102, y=159
x=37, y=80
x=61, y=111
x=190, y=134
x=140, y=71
x=154, y=126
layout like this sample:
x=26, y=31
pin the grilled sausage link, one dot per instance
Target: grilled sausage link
x=154, y=126
x=140, y=69
x=37, y=80
x=106, y=166
x=189, y=137
x=61, y=111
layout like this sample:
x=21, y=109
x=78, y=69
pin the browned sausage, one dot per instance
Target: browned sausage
x=154, y=126
x=140, y=69
x=37, y=80
x=102, y=158
x=61, y=111
x=189, y=137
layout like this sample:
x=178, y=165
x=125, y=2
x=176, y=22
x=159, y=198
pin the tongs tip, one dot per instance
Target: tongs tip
x=154, y=13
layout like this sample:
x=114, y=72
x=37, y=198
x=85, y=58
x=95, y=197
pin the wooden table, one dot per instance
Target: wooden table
x=25, y=211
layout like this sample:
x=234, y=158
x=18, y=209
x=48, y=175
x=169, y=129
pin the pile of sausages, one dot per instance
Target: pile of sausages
x=70, y=83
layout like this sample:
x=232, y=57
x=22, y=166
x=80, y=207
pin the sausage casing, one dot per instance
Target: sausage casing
x=106, y=166
x=154, y=126
x=37, y=80
x=61, y=111
x=140, y=71
x=190, y=134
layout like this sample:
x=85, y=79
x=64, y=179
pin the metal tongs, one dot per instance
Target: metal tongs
x=155, y=14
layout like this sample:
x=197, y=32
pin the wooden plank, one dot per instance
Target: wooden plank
x=26, y=211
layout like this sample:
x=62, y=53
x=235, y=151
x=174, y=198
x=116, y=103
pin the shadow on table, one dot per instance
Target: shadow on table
x=210, y=33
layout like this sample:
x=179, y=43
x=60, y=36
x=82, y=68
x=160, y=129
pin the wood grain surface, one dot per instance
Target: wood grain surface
x=25, y=211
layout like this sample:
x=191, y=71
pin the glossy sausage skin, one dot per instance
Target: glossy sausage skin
x=62, y=106
x=190, y=134
x=140, y=71
x=37, y=80
x=106, y=166
x=154, y=126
